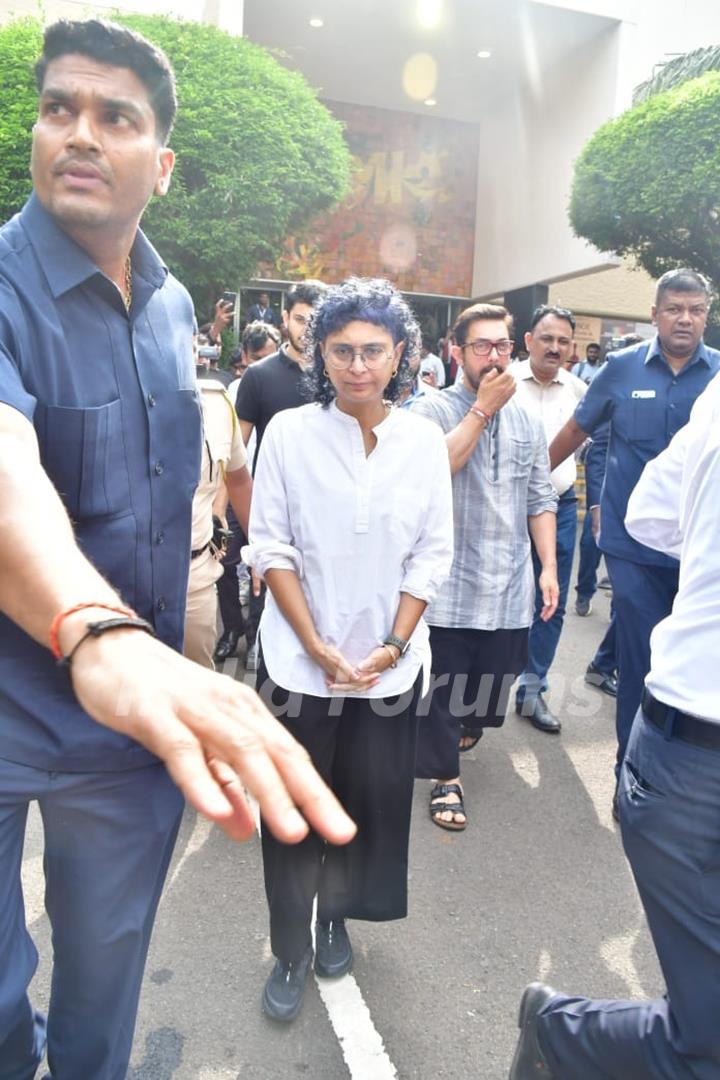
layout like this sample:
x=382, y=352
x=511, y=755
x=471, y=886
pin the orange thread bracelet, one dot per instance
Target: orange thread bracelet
x=61, y=616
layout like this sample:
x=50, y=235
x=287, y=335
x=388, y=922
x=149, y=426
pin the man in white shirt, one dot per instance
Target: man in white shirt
x=669, y=802
x=430, y=360
x=545, y=389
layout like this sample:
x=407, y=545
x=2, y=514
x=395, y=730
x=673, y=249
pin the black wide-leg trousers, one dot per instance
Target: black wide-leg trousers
x=364, y=748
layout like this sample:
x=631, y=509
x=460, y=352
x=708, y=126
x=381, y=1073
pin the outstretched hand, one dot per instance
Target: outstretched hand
x=214, y=735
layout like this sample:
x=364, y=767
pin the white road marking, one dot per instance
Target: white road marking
x=362, y=1047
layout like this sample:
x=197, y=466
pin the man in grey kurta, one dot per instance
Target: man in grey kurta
x=502, y=495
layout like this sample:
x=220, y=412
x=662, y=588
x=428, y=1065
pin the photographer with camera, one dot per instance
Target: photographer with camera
x=224, y=477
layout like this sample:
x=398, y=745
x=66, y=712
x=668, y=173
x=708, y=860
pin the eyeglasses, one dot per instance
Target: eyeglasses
x=372, y=355
x=483, y=347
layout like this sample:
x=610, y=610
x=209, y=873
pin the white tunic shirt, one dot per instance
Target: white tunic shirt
x=357, y=530
x=675, y=508
x=555, y=404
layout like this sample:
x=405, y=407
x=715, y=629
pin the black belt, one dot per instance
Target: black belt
x=680, y=725
x=198, y=551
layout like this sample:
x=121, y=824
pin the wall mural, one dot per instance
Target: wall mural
x=411, y=214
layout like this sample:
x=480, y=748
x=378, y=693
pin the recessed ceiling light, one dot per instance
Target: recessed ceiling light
x=430, y=101
x=430, y=13
x=317, y=23
x=484, y=54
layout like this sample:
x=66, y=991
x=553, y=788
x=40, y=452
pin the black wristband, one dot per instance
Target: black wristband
x=97, y=629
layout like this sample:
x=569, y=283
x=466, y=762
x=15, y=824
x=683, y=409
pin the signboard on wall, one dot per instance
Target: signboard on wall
x=588, y=329
x=411, y=214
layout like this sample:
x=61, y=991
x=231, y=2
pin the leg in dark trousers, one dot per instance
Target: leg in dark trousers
x=472, y=674
x=367, y=758
x=588, y=562
x=670, y=819
x=227, y=586
x=642, y=596
x=108, y=842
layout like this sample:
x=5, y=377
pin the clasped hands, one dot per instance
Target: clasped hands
x=347, y=678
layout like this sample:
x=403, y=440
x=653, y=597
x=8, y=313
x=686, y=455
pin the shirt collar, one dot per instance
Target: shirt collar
x=64, y=262
x=655, y=352
x=381, y=429
x=522, y=370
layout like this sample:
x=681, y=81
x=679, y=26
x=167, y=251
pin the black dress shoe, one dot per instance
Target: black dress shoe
x=283, y=993
x=227, y=645
x=602, y=680
x=529, y=1062
x=534, y=708
x=583, y=606
x=333, y=951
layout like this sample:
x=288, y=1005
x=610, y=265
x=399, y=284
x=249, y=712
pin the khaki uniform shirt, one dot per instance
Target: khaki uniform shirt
x=223, y=451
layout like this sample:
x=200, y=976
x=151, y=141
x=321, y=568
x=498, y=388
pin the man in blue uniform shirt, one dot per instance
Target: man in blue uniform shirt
x=646, y=392
x=669, y=805
x=99, y=457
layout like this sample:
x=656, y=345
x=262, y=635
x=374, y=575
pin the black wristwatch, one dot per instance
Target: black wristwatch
x=403, y=646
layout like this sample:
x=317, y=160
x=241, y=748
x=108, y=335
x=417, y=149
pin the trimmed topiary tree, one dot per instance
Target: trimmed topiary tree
x=647, y=184
x=257, y=153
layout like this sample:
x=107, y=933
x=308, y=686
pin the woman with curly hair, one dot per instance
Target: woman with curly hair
x=351, y=528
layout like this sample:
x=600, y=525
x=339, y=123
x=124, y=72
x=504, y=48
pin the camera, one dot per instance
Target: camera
x=209, y=352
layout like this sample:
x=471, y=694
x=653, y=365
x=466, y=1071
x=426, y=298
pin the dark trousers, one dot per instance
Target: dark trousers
x=108, y=842
x=544, y=636
x=588, y=562
x=365, y=750
x=228, y=589
x=605, y=659
x=669, y=801
x=472, y=674
x=642, y=596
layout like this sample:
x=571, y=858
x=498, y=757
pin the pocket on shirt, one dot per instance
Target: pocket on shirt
x=520, y=453
x=647, y=420
x=83, y=453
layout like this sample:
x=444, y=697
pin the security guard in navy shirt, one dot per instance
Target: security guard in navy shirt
x=646, y=392
x=97, y=402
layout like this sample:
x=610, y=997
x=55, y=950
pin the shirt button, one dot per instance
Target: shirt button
x=160, y=537
x=672, y=406
x=151, y=400
x=159, y=468
x=161, y=603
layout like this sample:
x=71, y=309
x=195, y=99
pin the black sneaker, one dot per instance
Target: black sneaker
x=283, y=993
x=583, y=606
x=333, y=951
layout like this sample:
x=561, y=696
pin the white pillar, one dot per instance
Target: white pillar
x=225, y=14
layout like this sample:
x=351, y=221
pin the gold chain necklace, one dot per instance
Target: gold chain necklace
x=127, y=290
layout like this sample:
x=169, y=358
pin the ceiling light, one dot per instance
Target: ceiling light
x=484, y=54
x=430, y=101
x=317, y=23
x=430, y=13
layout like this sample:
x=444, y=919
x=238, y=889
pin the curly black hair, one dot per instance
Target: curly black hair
x=371, y=300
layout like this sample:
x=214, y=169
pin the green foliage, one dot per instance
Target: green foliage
x=20, y=44
x=690, y=65
x=647, y=184
x=257, y=154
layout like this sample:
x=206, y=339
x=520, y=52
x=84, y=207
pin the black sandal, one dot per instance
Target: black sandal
x=466, y=733
x=437, y=808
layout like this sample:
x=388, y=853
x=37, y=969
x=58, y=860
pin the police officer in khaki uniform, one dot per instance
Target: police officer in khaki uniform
x=224, y=477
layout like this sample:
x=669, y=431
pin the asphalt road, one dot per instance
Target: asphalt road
x=536, y=887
